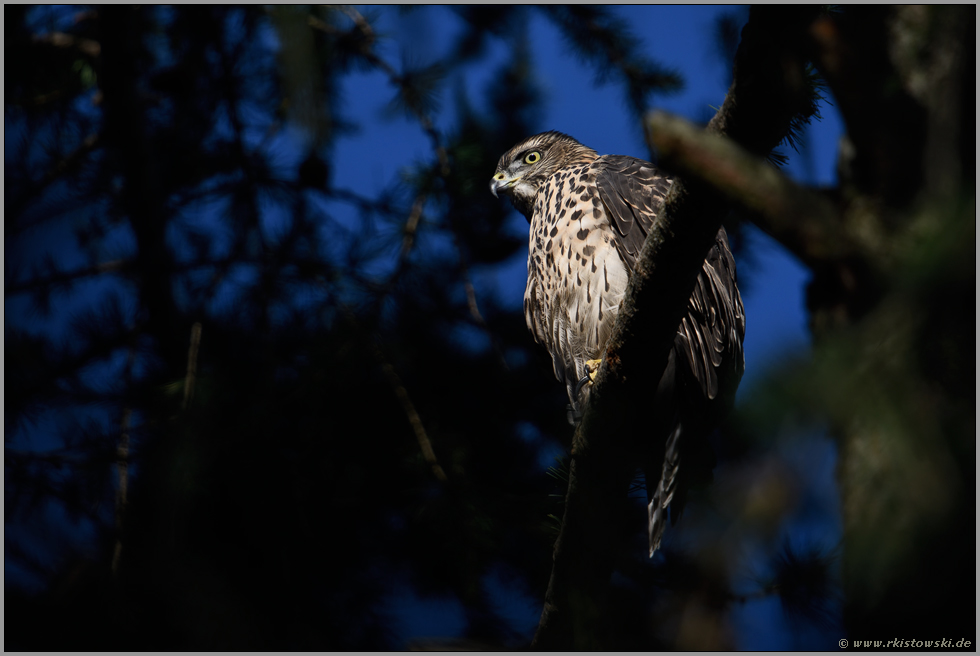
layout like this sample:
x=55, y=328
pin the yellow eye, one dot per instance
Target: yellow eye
x=532, y=158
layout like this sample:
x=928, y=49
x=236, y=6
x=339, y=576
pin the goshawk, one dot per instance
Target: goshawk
x=589, y=216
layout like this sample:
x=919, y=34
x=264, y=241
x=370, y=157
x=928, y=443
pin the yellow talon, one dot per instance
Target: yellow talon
x=591, y=368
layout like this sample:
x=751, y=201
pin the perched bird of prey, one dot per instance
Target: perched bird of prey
x=589, y=216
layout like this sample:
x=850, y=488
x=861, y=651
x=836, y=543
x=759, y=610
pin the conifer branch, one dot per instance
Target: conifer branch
x=404, y=83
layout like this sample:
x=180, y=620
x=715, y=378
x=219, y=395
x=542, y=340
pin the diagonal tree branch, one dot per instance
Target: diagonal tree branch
x=767, y=91
x=805, y=221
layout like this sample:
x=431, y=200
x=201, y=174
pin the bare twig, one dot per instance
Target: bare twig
x=471, y=300
x=191, y=376
x=403, y=398
x=122, y=464
x=411, y=227
x=474, y=308
x=89, y=47
x=413, y=416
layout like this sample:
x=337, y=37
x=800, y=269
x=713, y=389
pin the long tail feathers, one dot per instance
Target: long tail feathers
x=664, y=493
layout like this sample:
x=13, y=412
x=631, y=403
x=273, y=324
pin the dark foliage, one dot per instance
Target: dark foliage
x=345, y=419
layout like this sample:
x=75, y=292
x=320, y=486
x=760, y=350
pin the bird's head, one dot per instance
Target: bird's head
x=524, y=168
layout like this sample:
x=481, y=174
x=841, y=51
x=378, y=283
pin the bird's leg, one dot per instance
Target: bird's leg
x=591, y=368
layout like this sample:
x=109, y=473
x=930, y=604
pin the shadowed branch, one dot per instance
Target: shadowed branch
x=766, y=94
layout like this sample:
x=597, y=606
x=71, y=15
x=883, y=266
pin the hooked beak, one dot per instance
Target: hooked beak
x=502, y=183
